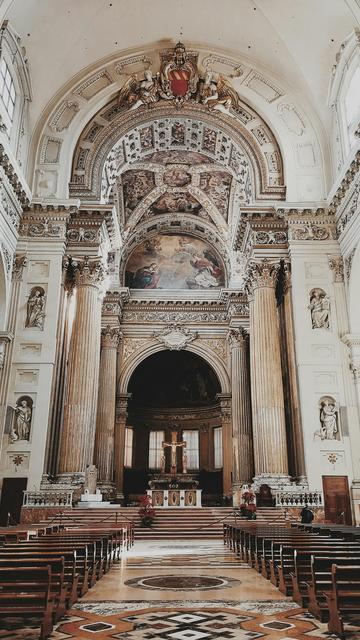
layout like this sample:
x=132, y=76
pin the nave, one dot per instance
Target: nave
x=182, y=590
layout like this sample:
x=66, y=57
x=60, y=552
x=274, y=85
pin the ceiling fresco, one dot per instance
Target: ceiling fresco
x=174, y=262
x=136, y=185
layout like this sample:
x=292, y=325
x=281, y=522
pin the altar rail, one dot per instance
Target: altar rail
x=47, y=498
x=300, y=499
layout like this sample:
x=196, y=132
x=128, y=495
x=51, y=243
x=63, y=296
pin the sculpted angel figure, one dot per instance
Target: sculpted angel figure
x=135, y=93
x=217, y=94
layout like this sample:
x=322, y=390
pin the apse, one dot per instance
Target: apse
x=173, y=379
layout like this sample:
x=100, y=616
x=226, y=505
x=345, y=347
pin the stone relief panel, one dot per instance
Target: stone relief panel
x=319, y=309
x=18, y=461
x=329, y=422
x=35, y=308
x=174, y=262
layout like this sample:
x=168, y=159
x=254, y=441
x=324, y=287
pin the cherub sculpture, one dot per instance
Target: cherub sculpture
x=217, y=94
x=135, y=93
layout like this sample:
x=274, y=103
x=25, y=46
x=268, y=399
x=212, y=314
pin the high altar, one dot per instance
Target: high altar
x=174, y=489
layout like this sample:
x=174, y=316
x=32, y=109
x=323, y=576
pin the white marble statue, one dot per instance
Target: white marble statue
x=328, y=419
x=320, y=309
x=35, y=314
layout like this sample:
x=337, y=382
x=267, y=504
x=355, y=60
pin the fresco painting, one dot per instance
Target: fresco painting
x=174, y=262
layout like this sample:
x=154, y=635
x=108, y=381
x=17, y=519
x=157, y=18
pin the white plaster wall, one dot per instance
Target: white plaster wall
x=320, y=363
x=33, y=361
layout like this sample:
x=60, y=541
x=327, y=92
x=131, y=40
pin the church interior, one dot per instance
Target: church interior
x=179, y=319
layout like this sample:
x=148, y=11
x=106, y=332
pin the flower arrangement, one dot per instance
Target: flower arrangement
x=146, y=511
x=248, y=506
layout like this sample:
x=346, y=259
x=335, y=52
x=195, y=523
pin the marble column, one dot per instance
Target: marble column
x=296, y=434
x=267, y=396
x=105, y=423
x=77, y=442
x=19, y=263
x=119, y=448
x=243, y=464
x=225, y=407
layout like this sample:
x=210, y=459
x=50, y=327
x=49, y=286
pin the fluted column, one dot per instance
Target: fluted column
x=294, y=403
x=120, y=425
x=77, y=442
x=267, y=395
x=105, y=423
x=225, y=407
x=243, y=465
x=19, y=263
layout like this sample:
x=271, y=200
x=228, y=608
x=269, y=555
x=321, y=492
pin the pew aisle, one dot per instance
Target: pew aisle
x=164, y=590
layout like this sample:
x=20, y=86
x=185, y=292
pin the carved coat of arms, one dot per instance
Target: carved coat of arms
x=179, y=81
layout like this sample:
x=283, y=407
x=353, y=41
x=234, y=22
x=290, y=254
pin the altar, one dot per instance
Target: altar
x=174, y=489
x=181, y=491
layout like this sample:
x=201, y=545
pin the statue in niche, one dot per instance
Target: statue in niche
x=20, y=428
x=90, y=479
x=329, y=420
x=35, y=314
x=320, y=309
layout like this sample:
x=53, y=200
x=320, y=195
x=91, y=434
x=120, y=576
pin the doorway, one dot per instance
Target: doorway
x=11, y=500
x=337, y=499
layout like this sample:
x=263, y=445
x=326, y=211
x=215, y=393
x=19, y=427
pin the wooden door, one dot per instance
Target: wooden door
x=11, y=499
x=337, y=499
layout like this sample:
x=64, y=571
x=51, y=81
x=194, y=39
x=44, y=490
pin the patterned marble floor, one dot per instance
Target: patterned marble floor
x=167, y=592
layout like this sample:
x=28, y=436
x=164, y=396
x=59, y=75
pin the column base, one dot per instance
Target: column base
x=119, y=497
x=107, y=490
x=64, y=482
x=276, y=481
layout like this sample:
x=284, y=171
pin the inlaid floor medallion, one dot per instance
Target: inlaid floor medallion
x=179, y=582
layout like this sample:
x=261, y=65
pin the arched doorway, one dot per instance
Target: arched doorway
x=174, y=391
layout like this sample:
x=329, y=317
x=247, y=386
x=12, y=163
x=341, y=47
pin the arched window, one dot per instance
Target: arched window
x=7, y=90
x=352, y=105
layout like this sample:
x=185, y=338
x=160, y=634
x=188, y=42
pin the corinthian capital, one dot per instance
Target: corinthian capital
x=237, y=338
x=336, y=264
x=110, y=337
x=88, y=271
x=262, y=274
x=18, y=267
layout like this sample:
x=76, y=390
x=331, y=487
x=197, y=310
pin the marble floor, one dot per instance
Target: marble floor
x=195, y=590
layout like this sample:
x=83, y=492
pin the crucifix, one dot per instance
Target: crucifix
x=174, y=444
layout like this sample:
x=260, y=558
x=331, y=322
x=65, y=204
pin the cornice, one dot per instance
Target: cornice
x=16, y=180
x=351, y=174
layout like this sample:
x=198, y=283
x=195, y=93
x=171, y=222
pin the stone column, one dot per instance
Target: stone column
x=225, y=407
x=77, y=443
x=243, y=464
x=296, y=435
x=267, y=397
x=119, y=448
x=105, y=423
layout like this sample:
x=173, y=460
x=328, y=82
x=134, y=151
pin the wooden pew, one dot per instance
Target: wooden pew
x=27, y=593
x=344, y=599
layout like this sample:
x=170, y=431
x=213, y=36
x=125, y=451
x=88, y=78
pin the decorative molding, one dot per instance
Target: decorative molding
x=21, y=190
x=217, y=345
x=5, y=338
x=64, y=115
x=175, y=336
x=348, y=263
